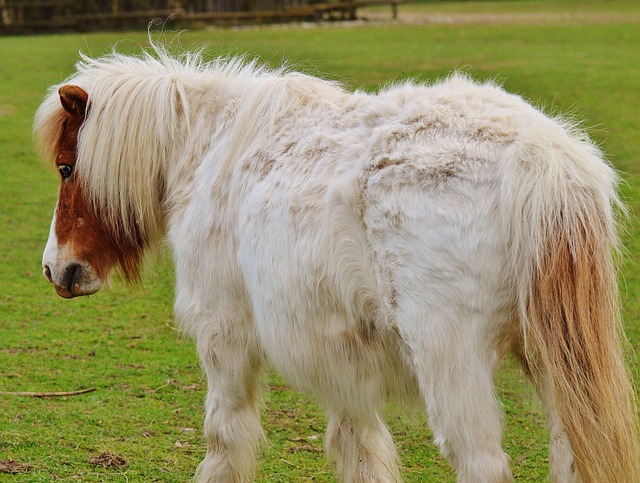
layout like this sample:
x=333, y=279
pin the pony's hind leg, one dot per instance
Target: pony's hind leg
x=232, y=423
x=362, y=449
x=454, y=362
x=441, y=268
x=562, y=468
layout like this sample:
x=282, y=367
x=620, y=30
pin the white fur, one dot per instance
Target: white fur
x=366, y=246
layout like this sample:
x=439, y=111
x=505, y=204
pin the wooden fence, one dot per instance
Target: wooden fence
x=39, y=16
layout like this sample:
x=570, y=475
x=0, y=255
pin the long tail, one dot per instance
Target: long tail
x=562, y=225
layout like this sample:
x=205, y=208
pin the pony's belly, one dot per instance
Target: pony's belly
x=343, y=362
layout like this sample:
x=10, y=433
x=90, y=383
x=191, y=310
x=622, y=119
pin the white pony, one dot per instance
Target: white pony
x=367, y=246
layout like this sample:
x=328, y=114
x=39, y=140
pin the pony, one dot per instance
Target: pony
x=392, y=246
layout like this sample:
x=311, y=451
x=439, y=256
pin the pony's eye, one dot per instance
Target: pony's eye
x=65, y=170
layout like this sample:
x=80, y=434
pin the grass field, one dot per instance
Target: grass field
x=149, y=392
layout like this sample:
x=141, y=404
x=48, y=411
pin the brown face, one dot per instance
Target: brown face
x=82, y=247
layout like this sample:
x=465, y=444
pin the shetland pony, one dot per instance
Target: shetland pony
x=368, y=246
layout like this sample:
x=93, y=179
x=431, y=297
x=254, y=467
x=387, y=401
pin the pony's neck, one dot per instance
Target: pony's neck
x=232, y=115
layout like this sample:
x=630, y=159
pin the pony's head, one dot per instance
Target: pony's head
x=112, y=130
x=117, y=132
x=84, y=242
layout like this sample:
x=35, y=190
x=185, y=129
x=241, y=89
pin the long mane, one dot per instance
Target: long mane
x=143, y=110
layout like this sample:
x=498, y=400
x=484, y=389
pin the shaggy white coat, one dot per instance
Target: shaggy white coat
x=367, y=246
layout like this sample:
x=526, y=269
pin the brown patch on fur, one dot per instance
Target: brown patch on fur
x=287, y=149
x=79, y=224
x=466, y=128
x=313, y=153
x=401, y=173
x=385, y=162
x=575, y=336
x=267, y=166
x=260, y=164
x=493, y=135
x=426, y=124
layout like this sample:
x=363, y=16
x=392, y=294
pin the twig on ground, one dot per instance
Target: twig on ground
x=47, y=394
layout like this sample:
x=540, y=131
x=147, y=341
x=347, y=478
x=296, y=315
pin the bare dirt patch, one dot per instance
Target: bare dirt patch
x=107, y=459
x=14, y=467
x=509, y=18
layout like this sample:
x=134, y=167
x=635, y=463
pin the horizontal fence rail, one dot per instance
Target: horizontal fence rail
x=34, y=16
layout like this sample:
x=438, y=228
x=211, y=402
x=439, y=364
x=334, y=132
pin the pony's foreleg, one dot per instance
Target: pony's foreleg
x=362, y=448
x=232, y=424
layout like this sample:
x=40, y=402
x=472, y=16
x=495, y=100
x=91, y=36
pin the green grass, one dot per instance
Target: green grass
x=147, y=406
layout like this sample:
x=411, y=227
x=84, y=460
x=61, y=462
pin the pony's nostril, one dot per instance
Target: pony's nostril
x=70, y=276
x=46, y=271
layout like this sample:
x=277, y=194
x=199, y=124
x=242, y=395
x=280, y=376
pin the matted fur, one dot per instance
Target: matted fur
x=369, y=247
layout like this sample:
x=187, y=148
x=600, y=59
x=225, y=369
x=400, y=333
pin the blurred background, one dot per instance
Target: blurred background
x=32, y=16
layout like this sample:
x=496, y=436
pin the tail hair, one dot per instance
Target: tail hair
x=563, y=234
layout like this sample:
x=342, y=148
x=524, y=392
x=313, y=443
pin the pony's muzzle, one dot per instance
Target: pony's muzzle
x=73, y=280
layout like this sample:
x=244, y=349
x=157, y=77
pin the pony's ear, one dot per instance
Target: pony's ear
x=74, y=100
